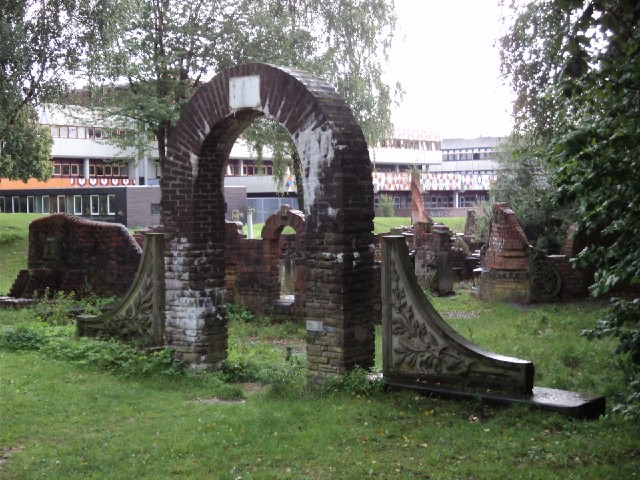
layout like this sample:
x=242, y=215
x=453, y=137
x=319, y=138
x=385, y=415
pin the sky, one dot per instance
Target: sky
x=445, y=57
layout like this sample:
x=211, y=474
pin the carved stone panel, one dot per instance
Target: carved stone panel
x=419, y=347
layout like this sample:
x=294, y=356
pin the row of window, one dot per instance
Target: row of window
x=452, y=157
x=74, y=169
x=86, y=205
x=439, y=200
x=249, y=169
x=81, y=132
x=428, y=145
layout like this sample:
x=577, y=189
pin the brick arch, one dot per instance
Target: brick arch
x=286, y=217
x=338, y=213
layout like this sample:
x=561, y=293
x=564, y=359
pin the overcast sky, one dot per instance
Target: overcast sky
x=445, y=57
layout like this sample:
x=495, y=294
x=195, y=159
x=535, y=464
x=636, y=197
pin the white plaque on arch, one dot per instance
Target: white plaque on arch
x=244, y=92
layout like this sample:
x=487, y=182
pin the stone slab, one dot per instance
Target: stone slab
x=574, y=404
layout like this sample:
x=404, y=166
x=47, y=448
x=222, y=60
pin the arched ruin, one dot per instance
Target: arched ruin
x=338, y=210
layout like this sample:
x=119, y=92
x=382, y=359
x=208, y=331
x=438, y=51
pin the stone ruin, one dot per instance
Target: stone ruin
x=253, y=266
x=514, y=271
x=178, y=298
x=420, y=351
x=335, y=255
x=73, y=254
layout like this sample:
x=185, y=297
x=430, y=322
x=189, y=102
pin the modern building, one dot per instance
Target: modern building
x=95, y=178
x=454, y=176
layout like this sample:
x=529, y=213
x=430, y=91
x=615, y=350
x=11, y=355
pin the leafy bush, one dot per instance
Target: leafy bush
x=22, y=337
x=623, y=322
x=60, y=343
x=387, y=205
x=55, y=308
x=356, y=382
x=289, y=380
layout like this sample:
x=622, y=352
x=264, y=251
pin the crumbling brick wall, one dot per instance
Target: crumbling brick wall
x=514, y=271
x=73, y=254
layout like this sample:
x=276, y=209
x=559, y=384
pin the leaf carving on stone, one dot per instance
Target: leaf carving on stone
x=137, y=317
x=416, y=345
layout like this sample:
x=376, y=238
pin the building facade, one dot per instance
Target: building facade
x=95, y=178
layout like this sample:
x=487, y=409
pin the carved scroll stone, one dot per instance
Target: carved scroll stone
x=419, y=347
x=546, y=281
x=140, y=314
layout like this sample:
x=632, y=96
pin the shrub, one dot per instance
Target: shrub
x=387, y=205
x=356, y=382
x=22, y=337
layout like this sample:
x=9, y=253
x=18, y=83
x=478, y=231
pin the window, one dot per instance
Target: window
x=438, y=200
x=108, y=171
x=73, y=132
x=82, y=132
x=31, y=205
x=75, y=169
x=97, y=133
x=90, y=132
x=61, y=204
x=77, y=205
x=124, y=171
x=99, y=170
x=56, y=169
x=111, y=204
x=2, y=205
x=15, y=204
x=116, y=170
x=55, y=131
x=95, y=204
x=66, y=170
x=92, y=170
x=64, y=132
x=46, y=204
x=156, y=209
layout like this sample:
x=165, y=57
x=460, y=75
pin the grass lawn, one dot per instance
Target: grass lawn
x=14, y=246
x=65, y=416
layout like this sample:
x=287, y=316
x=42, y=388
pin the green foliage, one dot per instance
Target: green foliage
x=623, y=322
x=22, y=337
x=525, y=181
x=59, y=343
x=166, y=50
x=577, y=73
x=55, y=308
x=355, y=382
x=25, y=149
x=38, y=52
x=387, y=204
x=480, y=230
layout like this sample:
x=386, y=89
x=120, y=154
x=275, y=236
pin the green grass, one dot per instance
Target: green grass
x=14, y=246
x=68, y=418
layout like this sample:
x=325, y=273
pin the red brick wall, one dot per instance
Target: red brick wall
x=70, y=253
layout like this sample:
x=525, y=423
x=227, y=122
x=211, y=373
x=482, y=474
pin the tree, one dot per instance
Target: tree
x=526, y=182
x=41, y=43
x=163, y=50
x=25, y=150
x=590, y=87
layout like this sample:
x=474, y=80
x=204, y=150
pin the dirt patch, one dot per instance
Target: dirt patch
x=248, y=388
x=457, y=314
x=6, y=453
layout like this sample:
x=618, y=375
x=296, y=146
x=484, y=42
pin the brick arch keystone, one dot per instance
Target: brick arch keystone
x=338, y=214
